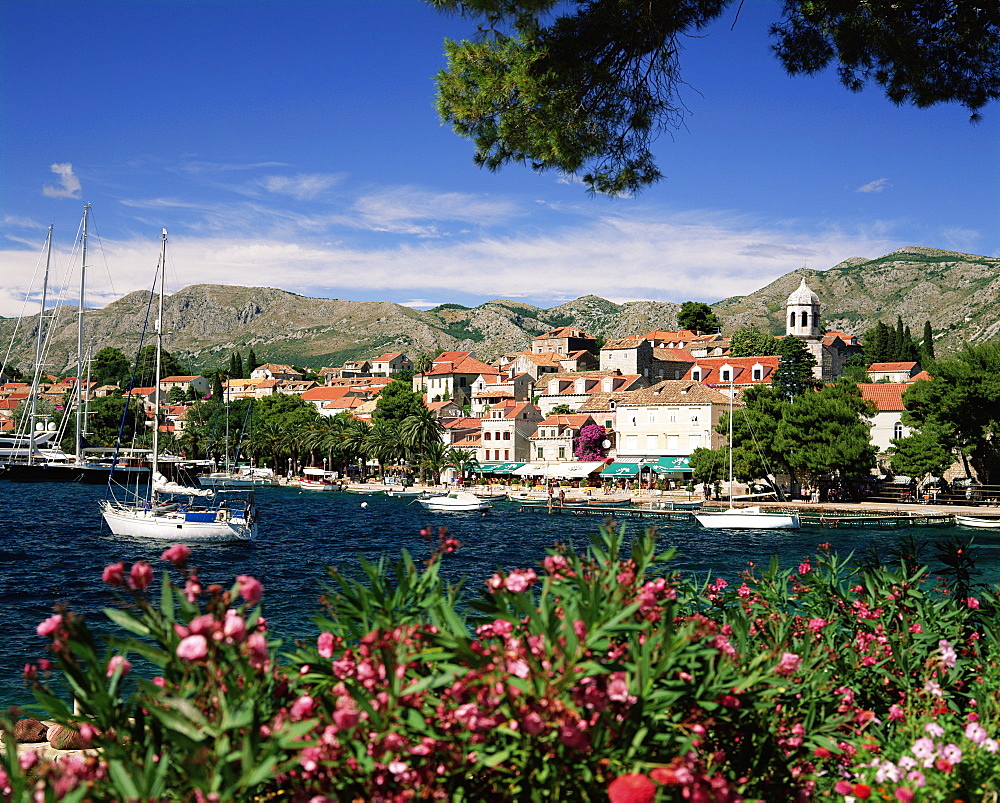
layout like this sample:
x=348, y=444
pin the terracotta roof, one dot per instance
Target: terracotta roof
x=742, y=367
x=675, y=391
x=891, y=366
x=887, y=396
x=326, y=393
x=660, y=334
x=622, y=343
x=466, y=422
x=179, y=378
x=920, y=376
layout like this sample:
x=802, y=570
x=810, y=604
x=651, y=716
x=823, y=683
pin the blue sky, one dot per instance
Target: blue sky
x=295, y=145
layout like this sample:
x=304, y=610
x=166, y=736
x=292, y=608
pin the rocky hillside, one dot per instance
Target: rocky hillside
x=958, y=293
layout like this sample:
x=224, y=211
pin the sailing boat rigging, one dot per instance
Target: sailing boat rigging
x=744, y=518
x=171, y=511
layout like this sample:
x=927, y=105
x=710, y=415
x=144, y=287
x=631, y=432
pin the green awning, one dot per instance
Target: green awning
x=672, y=465
x=498, y=468
x=622, y=469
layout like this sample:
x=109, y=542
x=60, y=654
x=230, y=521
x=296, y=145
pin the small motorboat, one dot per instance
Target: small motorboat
x=455, y=502
x=979, y=524
x=316, y=479
x=748, y=518
x=404, y=493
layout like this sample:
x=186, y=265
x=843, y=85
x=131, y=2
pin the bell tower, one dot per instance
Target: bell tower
x=802, y=313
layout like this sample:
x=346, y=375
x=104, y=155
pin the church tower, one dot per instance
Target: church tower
x=802, y=314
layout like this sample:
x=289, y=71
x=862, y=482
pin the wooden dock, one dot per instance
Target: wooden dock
x=829, y=518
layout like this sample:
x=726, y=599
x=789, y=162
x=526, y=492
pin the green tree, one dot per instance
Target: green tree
x=106, y=417
x=383, y=444
x=145, y=369
x=794, y=375
x=252, y=361
x=420, y=434
x=585, y=87
x=561, y=409
x=697, y=317
x=927, y=345
x=218, y=391
x=397, y=401
x=709, y=466
x=110, y=367
x=751, y=342
x=960, y=407
x=919, y=455
x=464, y=461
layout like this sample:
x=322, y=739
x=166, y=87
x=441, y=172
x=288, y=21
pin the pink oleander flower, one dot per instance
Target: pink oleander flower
x=934, y=688
x=324, y=643
x=192, y=648
x=178, y=555
x=140, y=576
x=519, y=580
x=788, y=664
x=250, y=588
x=258, y=650
x=948, y=655
x=805, y=567
x=50, y=625
x=192, y=588
x=346, y=718
x=896, y=714
x=816, y=624
x=114, y=574
x=972, y=602
x=302, y=708
x=234, y=626
x=532, y=724
x=618, y=687
x=632, y=788
x=117, y=661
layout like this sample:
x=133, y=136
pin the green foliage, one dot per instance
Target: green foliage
x=548, y=684
x=751, y=342
x=397, y=401
x=585, y=87
x=919, y=455
x=145, y=368
x=698, y=318
x=960, y=407
x=794, y=375
x=883, y=343
x=110, y=367
x=709, y=465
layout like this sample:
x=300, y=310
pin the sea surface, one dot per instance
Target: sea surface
x=53, y=548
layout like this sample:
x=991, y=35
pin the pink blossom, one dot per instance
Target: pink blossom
x=50, y=625
x=250, y=588
x=573, y=734
x=192, y=588
x=788, y=664
x=303, y=707
x=916, y=777
x=896, y=714
x=324, y=643
x=972, y=603
x=975, y=733
x=923, y=748
x=934, y=730
x=116, y=662
x=140, y=576
x=948, y=654
x=805, y=567
x=346, y=718
x=904, y=794
x=633, y=787
x=519, y=580
x=532, y=724
x=618, y=687
x=178, y=555
x=234, y=626
x=952, y=753
x=114, y=574
x=192, y=648
x=258, y=650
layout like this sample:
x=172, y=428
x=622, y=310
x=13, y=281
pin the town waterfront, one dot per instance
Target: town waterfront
x=53, y=548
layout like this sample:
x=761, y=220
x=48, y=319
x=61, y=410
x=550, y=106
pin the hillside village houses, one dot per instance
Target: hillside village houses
x=658, y=396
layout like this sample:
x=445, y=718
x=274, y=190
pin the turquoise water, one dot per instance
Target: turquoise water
x=53, y=548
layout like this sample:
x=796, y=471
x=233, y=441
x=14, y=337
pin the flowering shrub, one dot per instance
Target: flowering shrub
x=595, y=675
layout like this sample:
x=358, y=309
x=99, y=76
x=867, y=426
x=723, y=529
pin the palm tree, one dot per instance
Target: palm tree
x=354, y=441
x=462, y=460
x=383, y=444
x=327, y=436
x=420, y=432
x=435, y=460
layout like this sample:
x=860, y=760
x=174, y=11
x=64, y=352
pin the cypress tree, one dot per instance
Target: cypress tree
x=928, y=344
x=238, y=362
x=252, y=361
x=899, y=353
x=232, y=366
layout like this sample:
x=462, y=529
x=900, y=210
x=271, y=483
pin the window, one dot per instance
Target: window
x=562, y=452
x=506, y=454
x=486, y=436
x=672, y=415
x=506, y=436
x=461, y=381
x=632, y=443
x=694, y=416
x=758, y=373
x=607, y=423
x=805, y=319
x=696, y=374
x=496, y=454
x=539, y=453
x=791, y=321
x=673, y=443
x=652, y=443
x=897, y=430
x=651, y=416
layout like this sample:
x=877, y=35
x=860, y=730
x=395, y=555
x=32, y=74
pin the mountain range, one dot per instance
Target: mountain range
x=958, y=293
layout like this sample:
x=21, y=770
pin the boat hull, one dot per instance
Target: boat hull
x=175, y=526
x=979, y=524
x=455, y=503
x=748, y=519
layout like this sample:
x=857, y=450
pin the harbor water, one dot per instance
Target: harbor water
x=53, y=548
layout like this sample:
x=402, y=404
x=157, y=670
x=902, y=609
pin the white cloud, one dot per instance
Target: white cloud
x=877, y=185
x=408, y=210
x=69, y=184
x=647, y=254
x=300, y=187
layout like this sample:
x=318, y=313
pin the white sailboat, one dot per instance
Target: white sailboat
x=174, y=512
x=454, y=502
x=744, y=518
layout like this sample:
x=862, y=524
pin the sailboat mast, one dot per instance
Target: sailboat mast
x=732, y=394
x=79, y=340
x=159, y=350
x=33, y=413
